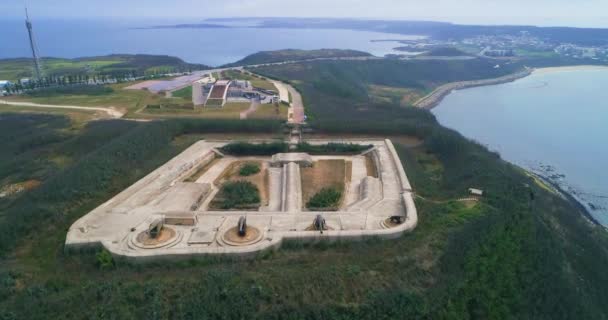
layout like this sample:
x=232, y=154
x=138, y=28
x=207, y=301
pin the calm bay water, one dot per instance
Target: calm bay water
x=554, y=123
x=79, y=38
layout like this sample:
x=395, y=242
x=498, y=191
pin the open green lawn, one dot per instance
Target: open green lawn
x=184, y=93
x=228, y=111
x=255, y=81
x=78, y=117
x=131, y=101
x=269, y=111
x=15, y=69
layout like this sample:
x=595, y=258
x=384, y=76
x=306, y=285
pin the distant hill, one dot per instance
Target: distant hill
x=437, y=30
x=296, y=55
x=138, y=65
x=445, y=52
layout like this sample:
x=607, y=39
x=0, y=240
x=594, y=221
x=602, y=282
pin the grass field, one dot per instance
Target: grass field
x=78, y=117
x=255, y=81
x=324, y=174
x=184, y=93
x=127, y=100
x=404, y=97
x=269, y=111
x=140, y=65
x=228, y=111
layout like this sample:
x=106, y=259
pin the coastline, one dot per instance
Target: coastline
x=570, y=69
x=434, y=98
x=569, y=197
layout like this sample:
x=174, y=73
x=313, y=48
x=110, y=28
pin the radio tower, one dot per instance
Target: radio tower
x=30, y=32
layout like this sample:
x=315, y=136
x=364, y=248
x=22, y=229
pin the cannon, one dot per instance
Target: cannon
x=242, y=227
x=319, y=223
x=155, y=228
x=397, y=219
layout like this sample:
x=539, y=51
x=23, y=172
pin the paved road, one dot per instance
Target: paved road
x=297, y=106
x=110, y=111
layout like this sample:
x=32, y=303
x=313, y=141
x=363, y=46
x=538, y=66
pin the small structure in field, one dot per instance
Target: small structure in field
x=476, y=192
x=302, y=159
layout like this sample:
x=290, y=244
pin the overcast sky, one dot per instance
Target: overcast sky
x=581, y=13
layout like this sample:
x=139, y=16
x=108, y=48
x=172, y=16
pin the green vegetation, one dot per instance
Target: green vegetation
x=83, y=90
x=255, y=149
x=132, y=101
x=332, y=148
x=238, y=195
x=255, y=80
x=249, y=169
x=184, y=93
x=338, y=98
x=296, y=55
x=445, y=52
x=509, y=256
x=325, y=200
x=112, y=65
x=104, y=260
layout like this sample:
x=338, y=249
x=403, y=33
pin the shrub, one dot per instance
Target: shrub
x=333, y=148
x=104, y=260
x=251, y=149
x=249, y=169
x=326, y=199
x=239, y=194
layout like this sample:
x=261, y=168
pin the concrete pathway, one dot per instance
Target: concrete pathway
x=110, y=111
x=297, y=106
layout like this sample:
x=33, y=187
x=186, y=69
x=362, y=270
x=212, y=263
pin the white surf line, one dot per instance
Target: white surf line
x=113, y=113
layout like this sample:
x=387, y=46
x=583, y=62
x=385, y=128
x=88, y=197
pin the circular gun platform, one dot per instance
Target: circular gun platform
x=232, y=238
x=311, y=227
x=389, y=223
x=167, y=237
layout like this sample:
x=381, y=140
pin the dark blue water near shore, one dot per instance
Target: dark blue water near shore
x=554, y=123
x=79, y=38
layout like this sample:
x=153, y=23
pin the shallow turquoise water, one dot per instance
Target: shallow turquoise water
x=554, y=119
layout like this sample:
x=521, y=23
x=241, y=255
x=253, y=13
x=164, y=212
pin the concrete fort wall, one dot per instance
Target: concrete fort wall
x=272, y=239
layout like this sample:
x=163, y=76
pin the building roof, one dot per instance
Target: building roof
x=222, y=82
x=476, y=192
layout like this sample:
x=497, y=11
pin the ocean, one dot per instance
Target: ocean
x=214, y=47
x=554, y=123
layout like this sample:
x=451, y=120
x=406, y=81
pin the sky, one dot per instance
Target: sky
x=576, y=13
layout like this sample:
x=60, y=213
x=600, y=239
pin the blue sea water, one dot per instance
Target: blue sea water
x=79, y=38
x=554, y=123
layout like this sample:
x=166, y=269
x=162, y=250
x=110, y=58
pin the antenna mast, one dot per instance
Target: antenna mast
x=36, y=57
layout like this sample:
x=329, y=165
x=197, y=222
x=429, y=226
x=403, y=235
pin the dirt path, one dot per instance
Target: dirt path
x=252, y=108
x=110, y=111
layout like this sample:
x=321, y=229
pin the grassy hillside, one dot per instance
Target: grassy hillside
x=510, y=256
x=296, y=55
x=139, y=65
x=360, y=94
